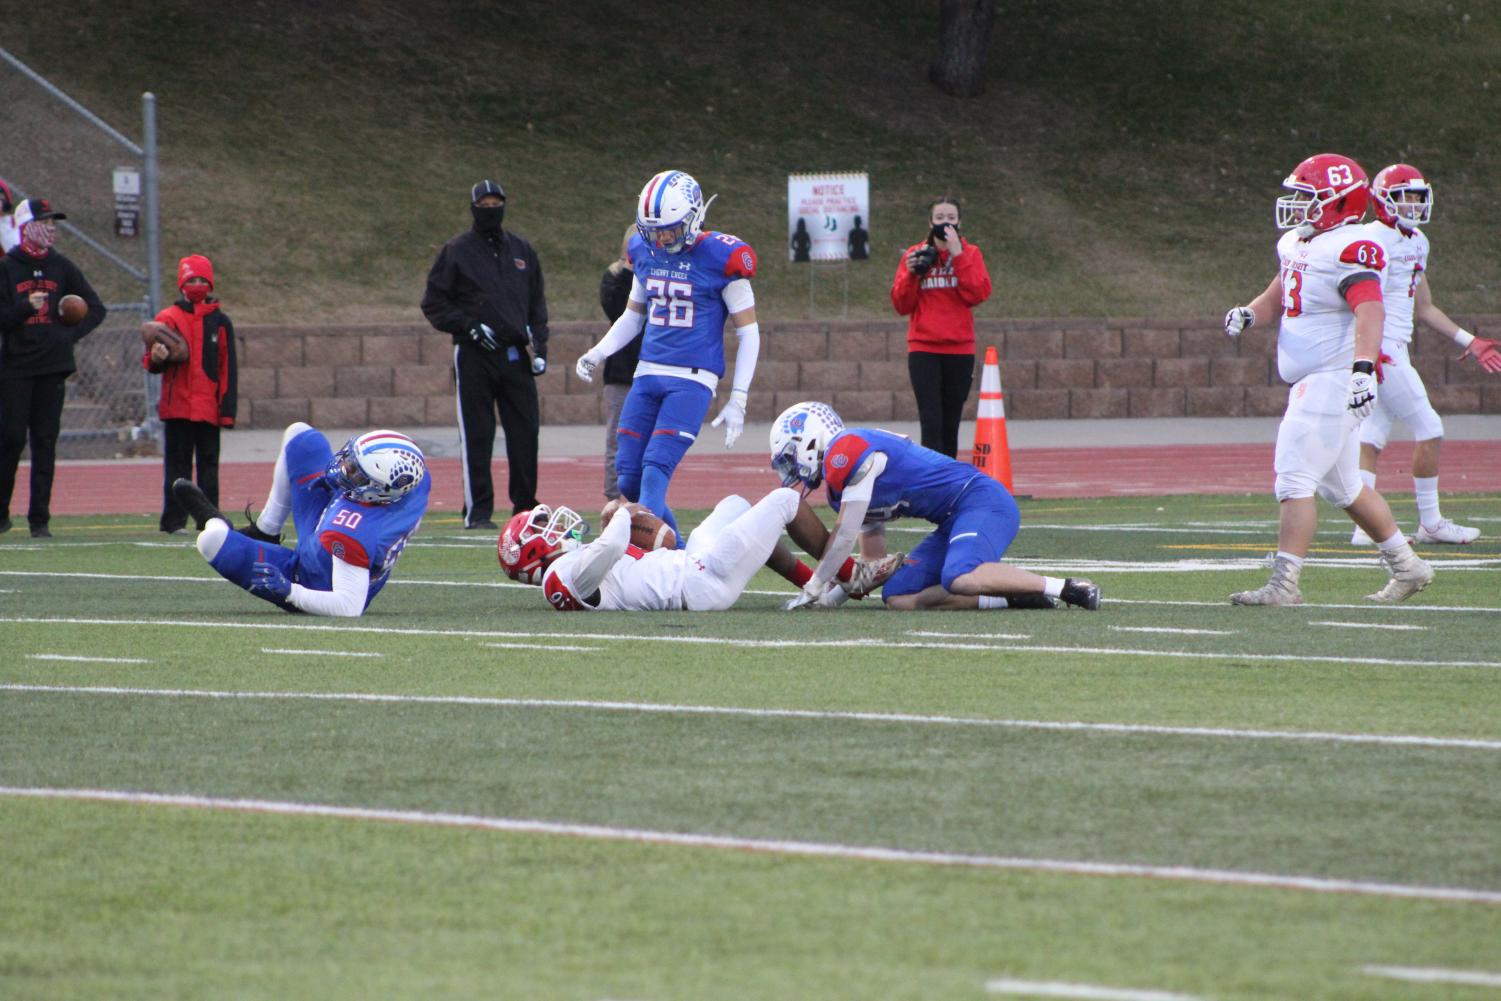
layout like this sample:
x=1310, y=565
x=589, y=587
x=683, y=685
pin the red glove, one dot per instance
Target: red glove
x=1381, y=359
x=1485, y=353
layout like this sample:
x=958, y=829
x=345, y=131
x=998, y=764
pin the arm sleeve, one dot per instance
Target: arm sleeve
x=624, y=329
x=974, y=278
x=437, y=298
x=853, y=504
x=904, y=287
x=746, y=352
x=600, y=556
x=345, y=600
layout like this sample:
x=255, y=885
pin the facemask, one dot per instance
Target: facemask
x=38, y=237
x=195, y=293
x=488, y=219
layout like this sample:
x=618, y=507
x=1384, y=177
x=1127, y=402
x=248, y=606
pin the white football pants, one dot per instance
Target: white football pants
x=734, y=542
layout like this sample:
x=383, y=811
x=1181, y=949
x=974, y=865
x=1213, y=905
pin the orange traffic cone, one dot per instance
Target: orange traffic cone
x=992, y=454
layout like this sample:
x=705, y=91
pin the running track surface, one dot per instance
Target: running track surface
x=700, y=482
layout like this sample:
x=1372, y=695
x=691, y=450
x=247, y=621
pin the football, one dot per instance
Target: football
x=647, y=530
x=153, y=332
x=71, y=309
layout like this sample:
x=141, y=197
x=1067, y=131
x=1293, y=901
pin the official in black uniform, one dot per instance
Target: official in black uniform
x=36, y=355
x=485, y=289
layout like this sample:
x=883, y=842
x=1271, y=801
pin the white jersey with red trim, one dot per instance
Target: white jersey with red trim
x=1318, y=325
x=1406, y=261
x=638, y=581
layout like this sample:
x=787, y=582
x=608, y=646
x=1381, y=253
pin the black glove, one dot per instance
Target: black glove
x=483, y=336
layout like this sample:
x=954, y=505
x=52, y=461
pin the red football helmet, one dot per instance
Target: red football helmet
x=533, y=539
x=1329, y=190
x=1391, y=196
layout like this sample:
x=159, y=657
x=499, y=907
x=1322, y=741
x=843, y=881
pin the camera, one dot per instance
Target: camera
x=924, y=259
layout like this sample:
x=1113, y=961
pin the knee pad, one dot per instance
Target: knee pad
x=1340, y=497
x=788, y=501
x=211, y=539
x=1293, y=485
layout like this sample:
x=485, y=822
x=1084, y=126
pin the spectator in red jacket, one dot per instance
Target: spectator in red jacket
x=198, y=393
x=937, y=284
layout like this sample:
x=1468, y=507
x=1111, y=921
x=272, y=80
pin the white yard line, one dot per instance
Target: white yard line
x=1394, y=740
x=319, y=653
x=1172, y=631
x=805, y=849
x=769, y=644
x=1311, y=606
x=1431, y=975
x=1081, y=992
x=86, y=660
x=1371, y=625
x=545, y=648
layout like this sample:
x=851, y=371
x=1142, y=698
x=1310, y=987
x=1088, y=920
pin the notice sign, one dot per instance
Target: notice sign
x=828, y=216
x=127, y=201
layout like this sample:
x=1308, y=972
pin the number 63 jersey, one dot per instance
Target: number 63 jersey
x=685, y=310
x=1323, y=279
x=362, y=535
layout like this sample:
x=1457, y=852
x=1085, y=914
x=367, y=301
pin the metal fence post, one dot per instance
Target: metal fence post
x=150, y=424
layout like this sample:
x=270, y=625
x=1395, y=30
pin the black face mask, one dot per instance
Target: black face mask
x=488, y=219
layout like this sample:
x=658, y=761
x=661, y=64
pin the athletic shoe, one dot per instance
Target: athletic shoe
x=1409, y=576
x=1083, y=593
x=1360, y=538
x=40, y=532
x=253, y=531
x=487, y=523
x=195, y=502
x=871, y=574
x=1281, y=589
x=1447, y=532
x=1026, y=601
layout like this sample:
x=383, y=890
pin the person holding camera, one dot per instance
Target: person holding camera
x=938, y=283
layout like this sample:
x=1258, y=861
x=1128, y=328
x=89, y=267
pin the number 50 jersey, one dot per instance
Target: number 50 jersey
x=362, y=535
x=685, y=310
x=1323, y=279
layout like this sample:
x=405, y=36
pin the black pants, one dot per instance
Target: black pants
x=183, y=439
x=30, y=407
x=941, y=384
x=487, y=381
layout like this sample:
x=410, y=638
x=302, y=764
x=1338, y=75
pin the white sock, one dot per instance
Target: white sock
x=1425, y=492
x=1052, y=587
x=1294, y=565
x=279, y=502
x=1397, y=541
x=993, y=601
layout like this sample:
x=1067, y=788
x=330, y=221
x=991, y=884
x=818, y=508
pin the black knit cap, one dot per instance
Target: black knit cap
x=484, y=188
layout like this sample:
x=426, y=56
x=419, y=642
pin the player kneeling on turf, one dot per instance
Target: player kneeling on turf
x=354, y=511
x=874, y=476
x=546, y=546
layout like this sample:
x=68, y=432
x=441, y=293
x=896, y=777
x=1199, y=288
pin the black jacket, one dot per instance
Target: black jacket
x=614, y=292
x=33, y=343
x=483, y=279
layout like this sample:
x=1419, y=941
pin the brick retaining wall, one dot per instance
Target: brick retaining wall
x=401, y=375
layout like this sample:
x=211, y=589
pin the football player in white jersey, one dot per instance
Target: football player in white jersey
x=545, y=546
x=1403, y=201
x=1327, y=294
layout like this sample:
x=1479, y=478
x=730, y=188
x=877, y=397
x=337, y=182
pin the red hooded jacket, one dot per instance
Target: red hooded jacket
x=202, y=388
x=938, y=304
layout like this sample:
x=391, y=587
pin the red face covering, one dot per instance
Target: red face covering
x=195, y=293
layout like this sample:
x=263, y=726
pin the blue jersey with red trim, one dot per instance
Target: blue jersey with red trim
x=685, y=310
x=363, y=535
x=916, y=483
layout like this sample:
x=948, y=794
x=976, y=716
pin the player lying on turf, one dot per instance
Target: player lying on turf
x=874, y=476
x=546, y=546
x=354, y=511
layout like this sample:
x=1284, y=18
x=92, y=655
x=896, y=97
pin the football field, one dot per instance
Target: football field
x=466, y=794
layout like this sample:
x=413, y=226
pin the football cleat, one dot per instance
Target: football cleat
x=1281, y=589
x=871, y=574
x=1083, y=593
x=1409, y=576
x=1447, y=532
x=1359, y=538
x=1030, y=601
x=253, y=531
x=196, y=503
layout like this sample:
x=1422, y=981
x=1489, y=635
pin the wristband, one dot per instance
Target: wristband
x=1361, y=365
x=1463, y=337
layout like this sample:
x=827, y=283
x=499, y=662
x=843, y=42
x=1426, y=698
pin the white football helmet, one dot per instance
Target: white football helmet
x=377, y=467
x=670, y=212
x=799, y=438
x=533, y=539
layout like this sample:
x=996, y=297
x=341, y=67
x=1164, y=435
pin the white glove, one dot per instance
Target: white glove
x=539, y=365
x=811, y=592
x=587, y=363
x=732, y=417
x=1239, y=319
x=1362, y=394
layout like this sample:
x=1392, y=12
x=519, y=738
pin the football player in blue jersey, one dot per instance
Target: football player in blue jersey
x=875, y=476
x=354, y=511
x=688, y=280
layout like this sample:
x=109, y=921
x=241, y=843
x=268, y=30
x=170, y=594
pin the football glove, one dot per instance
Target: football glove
x=1362, y=390
x=587, y=363
x=732, y=417
x=1239, y=319
x=1485, y=353
x=267, y=581
x=483, y=336
x=539, y=365
x=809, y=595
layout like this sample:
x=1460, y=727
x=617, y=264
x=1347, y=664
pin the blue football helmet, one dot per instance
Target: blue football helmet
x=670, y=212
x=799, y=438
x=377, y=467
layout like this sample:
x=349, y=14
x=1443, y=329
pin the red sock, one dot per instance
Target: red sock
x=847, y=571
x=801, y=573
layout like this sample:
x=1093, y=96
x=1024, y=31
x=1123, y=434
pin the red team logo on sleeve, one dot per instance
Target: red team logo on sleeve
x=840, y=460
x=742, y=262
